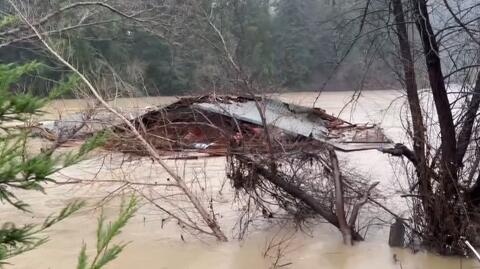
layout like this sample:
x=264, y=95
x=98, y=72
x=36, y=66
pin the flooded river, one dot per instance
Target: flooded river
x=158, y=244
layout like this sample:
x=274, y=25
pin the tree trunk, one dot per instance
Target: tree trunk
x=444, y=223
x=412, y=96
x=345, y=229
x=439, y=91
x=468, y=121
x=473, y=195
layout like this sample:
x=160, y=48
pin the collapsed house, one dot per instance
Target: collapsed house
x=215, y=125
x=280, y=154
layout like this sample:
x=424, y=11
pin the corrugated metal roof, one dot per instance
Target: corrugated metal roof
x=303, y=121
x=278, y=114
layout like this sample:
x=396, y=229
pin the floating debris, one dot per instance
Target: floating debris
x=212, y=124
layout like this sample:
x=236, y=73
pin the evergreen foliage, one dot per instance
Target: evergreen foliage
x=22, y=170
x=252, y=27
x=105, y=250
x=295, y=40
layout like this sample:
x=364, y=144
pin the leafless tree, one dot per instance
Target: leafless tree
x=447, y=197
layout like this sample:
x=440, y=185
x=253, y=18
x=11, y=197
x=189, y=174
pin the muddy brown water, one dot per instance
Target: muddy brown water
x=156, y=246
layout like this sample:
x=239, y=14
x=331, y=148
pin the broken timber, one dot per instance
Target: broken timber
x=209, y=124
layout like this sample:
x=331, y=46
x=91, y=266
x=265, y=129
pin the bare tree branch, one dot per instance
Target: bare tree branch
x=209, y=220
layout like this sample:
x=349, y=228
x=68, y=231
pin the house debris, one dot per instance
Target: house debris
x=281, y=155
x=212, y=124
x=80, y=125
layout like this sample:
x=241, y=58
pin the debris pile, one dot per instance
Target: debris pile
x=280, y=156
x=216, y=125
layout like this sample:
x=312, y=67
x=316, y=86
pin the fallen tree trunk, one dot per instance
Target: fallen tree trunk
x=295, y=191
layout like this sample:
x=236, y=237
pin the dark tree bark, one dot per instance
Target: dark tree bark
x=443, y=215
x=465, y=134
x=464, y=139
x=413, y=98
x=439, y=91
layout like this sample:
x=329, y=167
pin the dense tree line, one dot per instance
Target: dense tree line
x=289, y=44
